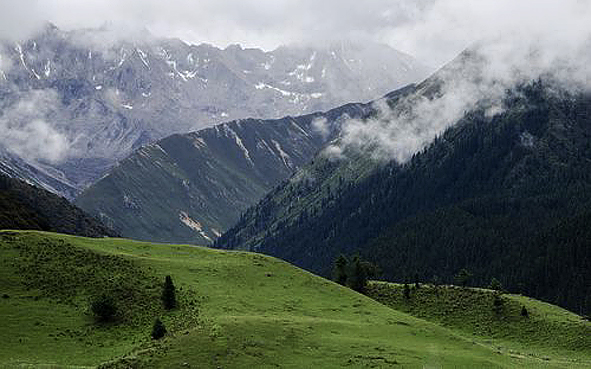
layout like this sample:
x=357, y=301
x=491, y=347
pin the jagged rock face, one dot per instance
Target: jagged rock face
x=15, y=167
x=98, y=101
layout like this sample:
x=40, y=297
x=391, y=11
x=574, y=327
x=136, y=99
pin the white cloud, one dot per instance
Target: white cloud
x=25, y=131
x=256, y=23
x=448, y=26
x=35, y=140
x=320, y=126
x=480, y=79
x=18, y=19
x=433, y=30
x=398, y=134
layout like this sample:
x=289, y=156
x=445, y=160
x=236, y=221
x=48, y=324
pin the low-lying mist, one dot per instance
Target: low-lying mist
x=479, y=77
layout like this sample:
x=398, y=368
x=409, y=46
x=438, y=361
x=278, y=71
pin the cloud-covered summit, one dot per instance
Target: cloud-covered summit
x=433, y=30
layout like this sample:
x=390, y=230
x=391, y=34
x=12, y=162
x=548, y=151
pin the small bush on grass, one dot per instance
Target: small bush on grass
x=158, y=330
x=498, y=303
x=103, y=307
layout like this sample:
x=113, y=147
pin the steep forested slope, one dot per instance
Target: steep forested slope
x=317, y=184
x=23, y=206
x=503, y=196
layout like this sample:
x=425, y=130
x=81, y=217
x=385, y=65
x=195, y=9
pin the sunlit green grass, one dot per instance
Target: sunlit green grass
x=251, y=311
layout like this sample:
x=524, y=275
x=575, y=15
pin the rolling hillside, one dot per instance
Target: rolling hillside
x=236, y=310
x=490, y=315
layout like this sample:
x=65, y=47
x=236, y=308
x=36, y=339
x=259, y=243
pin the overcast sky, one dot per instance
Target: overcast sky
x=432, y=30
x=519, y=40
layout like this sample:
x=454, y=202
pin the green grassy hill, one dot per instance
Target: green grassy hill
x=236, y=310
x=473, y=311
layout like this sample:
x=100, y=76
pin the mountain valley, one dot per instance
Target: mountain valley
x=93, y=97
x=295, y=184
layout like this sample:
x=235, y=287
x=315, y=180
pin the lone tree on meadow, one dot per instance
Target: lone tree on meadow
x=340, y=270
x=168, y=294
x=158, y=330
x=495, y=285
x=357, y=279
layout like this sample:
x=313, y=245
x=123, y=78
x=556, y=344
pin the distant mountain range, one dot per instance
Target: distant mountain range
x=190, y=188
x=40, y=175
x=91, y=97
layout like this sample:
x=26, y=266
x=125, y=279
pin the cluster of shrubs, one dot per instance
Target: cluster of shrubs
x=104, y=307
x=354, y=273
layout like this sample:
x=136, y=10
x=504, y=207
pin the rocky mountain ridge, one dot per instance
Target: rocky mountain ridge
x=73, y=103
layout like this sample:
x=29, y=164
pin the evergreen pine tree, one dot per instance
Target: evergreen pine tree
x=495, y=285
x=169, y=294
x=357, y=275
x=158, y=330
x=406, y=291
x=340, y=270
x=371, y=269
x=436, y=281
x=463, y=277
x=103, y=307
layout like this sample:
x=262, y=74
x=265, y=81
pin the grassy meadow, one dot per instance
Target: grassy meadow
x=236, y=310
